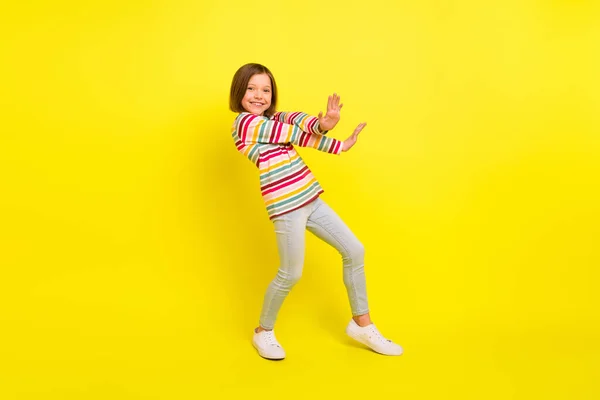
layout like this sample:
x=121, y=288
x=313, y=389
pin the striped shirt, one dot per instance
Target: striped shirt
x=286, y=182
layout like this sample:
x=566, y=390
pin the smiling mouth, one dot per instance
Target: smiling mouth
x=257, y=104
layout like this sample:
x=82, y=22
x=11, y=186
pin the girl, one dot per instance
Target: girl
x=292, y=199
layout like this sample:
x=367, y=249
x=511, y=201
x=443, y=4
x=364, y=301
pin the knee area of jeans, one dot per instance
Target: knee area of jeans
x=355, y=253
x=287, y=278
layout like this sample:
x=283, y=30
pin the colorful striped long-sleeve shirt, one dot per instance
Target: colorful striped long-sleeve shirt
x=286, y=182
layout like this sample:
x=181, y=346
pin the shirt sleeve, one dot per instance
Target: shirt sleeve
x=302, y=120
x=253, y=129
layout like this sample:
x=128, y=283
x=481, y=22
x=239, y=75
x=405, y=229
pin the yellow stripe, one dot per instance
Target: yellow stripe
x=255, y=133
x=248, y=148
x=302, y=121
x=318, y=143
x=290, y=194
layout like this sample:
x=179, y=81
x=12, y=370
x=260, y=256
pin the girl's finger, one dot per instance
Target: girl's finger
x=358, y=129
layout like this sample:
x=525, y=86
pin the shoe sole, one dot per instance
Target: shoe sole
x=359, y=339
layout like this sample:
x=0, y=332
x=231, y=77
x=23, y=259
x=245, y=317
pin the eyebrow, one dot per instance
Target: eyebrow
x=254, y=84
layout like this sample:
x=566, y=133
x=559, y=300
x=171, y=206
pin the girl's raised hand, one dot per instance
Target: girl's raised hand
x=351, y=141
x=332, y=116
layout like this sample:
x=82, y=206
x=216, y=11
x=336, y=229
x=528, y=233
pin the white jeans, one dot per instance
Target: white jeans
x=319, y=219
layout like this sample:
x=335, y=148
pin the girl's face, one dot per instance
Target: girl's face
x=257, y=99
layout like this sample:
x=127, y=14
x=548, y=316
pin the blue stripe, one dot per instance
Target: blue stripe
x=252, y=152
x=261, y=132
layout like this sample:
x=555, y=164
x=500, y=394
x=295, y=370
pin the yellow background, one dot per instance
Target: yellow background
x=135, y=249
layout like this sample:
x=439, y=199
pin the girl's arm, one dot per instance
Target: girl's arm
x=253, y=128
x=303, y=121
x=321, y=124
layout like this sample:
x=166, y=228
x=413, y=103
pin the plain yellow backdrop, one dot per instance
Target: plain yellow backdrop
x=134, y=245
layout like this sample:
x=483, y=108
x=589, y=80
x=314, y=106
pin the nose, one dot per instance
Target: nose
x=257, y=94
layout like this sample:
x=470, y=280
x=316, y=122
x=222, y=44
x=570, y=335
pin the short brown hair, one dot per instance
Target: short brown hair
x=239, y=85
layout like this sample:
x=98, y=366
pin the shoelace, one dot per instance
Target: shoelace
x=378, y=335
x=270, y=338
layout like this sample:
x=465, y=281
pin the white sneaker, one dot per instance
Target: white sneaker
x=370, y=336
x=267, y=345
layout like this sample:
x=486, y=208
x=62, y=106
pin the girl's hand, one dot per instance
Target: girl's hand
x=348, y=143
x=332, y=117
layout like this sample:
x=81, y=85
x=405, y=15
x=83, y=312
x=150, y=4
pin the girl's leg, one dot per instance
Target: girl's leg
x=290, y=230
x=328, y=226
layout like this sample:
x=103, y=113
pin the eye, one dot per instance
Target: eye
x=249, y=88
x=267, y=91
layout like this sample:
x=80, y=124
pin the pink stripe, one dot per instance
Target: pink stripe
x=311, y=125
x=269, y=152
x=337, y=146
x=244, y=125
x=278, y=128
x=293, y=117
x=272, y=155
x=285, y=178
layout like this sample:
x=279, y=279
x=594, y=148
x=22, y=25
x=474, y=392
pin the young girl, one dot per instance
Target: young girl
x=291, y=196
